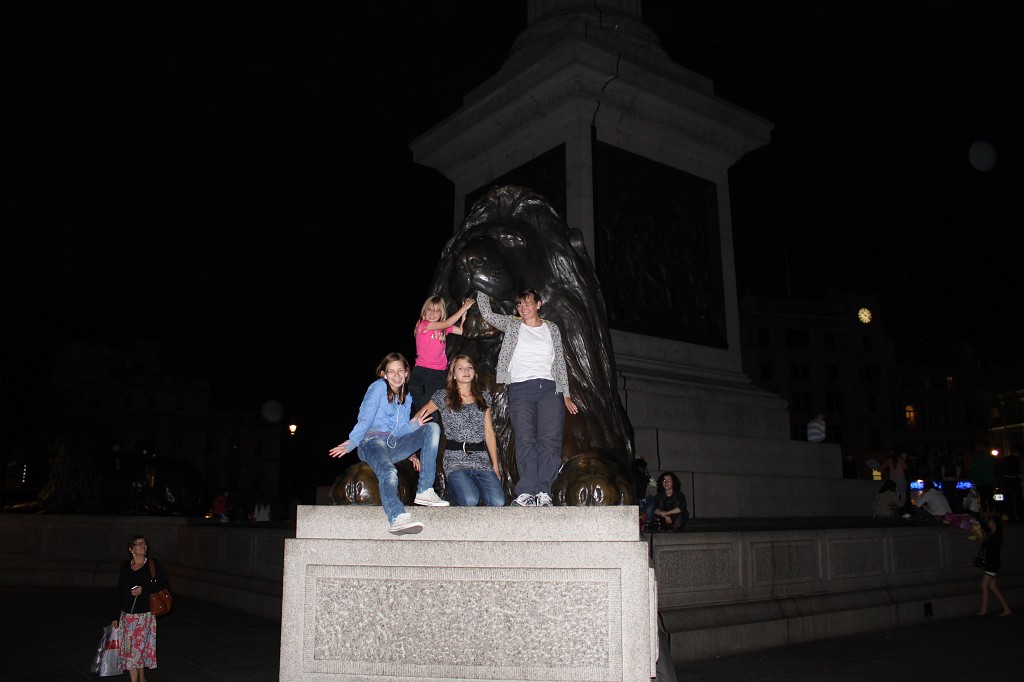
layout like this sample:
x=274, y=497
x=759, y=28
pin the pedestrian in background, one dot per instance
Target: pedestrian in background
x=816, y=429
x=992, y=550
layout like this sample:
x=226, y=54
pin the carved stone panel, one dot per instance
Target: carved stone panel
x=916, y=553
x=784, y=562
x=484, y=623
x=856, y=558
x=697, y=567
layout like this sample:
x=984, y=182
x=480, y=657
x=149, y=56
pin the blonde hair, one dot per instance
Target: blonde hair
x=433, y=302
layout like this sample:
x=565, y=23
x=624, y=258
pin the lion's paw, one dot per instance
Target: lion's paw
x=593, y=479
x=358, y=485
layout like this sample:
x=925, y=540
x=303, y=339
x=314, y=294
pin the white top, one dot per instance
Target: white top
x=816, y=430
x=533, y=355
x=933, y=502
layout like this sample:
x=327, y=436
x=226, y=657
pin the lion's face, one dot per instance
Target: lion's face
x=499, y=259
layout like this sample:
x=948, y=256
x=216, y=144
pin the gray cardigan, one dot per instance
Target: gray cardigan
x=509, y=324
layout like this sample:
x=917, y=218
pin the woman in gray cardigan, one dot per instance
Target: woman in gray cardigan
x=532, y=365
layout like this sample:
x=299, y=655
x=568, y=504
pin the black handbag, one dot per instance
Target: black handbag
x=979, y=560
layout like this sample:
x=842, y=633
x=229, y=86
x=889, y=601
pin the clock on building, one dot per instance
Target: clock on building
x=864, y=315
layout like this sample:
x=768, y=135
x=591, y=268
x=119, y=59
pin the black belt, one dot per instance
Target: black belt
x=466, y=447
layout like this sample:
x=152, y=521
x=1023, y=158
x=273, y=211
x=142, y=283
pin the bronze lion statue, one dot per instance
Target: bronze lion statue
x=513, y=239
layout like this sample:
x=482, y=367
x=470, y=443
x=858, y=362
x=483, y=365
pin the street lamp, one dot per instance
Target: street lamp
x=292, y=428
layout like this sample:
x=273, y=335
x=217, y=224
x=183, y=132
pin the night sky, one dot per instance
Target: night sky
x=233, y=179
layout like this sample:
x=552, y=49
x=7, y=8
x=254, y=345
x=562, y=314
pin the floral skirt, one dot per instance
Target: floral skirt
x=137, y=645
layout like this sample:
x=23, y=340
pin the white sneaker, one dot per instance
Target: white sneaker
x=524, y=500
x=428, y=498
x=405, y=525
x=542, y=500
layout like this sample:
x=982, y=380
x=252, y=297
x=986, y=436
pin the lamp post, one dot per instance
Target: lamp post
x=287, y=469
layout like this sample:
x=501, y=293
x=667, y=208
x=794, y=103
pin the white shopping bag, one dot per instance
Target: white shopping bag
x=106, y=661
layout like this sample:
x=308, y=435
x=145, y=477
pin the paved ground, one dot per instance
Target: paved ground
x=957, y=650
x=49, y=635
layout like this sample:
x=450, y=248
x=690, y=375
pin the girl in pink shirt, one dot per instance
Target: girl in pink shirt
x=430, y=369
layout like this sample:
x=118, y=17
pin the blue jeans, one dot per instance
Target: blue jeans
x=469, y=485
x=383, y=453
x=537, y=414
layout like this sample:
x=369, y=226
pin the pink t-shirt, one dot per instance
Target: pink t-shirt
x=430, y=346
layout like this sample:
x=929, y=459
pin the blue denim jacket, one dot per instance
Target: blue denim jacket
x=377, y=415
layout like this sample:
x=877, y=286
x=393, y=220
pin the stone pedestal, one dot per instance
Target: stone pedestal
x=482, y=593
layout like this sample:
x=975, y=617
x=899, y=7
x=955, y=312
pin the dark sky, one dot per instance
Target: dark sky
x=233, y=179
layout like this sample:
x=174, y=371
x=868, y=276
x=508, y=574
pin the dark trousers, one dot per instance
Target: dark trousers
x=951, y=494
x=423, y=384
x=537, y=414
x=1010, y=485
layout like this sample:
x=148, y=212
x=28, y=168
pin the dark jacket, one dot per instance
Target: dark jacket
x=127, y=579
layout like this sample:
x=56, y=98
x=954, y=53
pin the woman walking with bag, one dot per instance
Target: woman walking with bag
x=992, y=550
x=140, y=576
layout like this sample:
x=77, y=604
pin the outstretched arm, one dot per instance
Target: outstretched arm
x=457, y=317
x=340, y=450
x=502, y=322
x=367, y=413
x=457, y=329
x=429, y=408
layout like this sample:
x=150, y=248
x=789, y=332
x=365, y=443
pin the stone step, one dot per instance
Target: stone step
x=737, y=496
x=732, y=454
x=474, y=524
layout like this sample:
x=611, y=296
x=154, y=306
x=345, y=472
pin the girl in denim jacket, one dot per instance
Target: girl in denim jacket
x=385, y=435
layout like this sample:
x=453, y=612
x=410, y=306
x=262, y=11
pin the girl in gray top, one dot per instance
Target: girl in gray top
x=471, y=452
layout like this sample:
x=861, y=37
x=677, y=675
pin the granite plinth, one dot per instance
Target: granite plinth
x=483, y=593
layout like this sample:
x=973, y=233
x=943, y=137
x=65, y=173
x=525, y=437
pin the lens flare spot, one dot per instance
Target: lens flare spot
x=272, y=411
x=982, y=156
